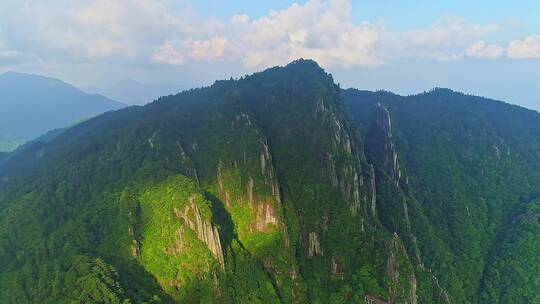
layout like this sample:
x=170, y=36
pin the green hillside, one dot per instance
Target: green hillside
x=279, y=187
x=472, y=167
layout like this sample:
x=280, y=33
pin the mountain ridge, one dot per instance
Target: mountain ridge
x=32, y=105
x=133, y=92
x=313, y=194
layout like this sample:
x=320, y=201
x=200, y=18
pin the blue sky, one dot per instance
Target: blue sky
x=490, y=48
x=396, y=13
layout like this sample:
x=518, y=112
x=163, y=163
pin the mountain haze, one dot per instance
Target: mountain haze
x=136, y=93
x=279, y=187
x=32, y=105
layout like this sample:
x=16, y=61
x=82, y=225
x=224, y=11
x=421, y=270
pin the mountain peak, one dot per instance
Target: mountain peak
x=306, y=65
x=300, y=71
x=12, y=78
x=305, y=62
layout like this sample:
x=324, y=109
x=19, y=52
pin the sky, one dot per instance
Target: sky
x=488, y=48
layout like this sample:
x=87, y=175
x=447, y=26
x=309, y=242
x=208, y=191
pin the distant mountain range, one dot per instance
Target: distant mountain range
x=135, y=93
x=31, y=105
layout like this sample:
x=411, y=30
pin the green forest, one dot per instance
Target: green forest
x=278, y=187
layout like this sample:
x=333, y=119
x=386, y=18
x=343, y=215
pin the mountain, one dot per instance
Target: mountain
x=136, y=93
x=279, y=187
x=32, y=105
x=3, y=156
x=472, y=188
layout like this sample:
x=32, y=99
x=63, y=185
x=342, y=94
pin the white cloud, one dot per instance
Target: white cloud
x=322, y=30
x=481, y=49
x=449, y=31
x=444, y=40
x=164, y=32
x=240, y=19
x=139, y=30
x=526, y=48
x=168, y=54
x=210, y=49
x=98, y=29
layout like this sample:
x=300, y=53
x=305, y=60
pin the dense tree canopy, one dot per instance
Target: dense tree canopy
x=277, y=187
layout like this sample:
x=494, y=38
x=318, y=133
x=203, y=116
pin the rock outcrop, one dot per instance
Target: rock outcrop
x=203, y=228
x=380, y=148
x=397, y=291
x=187, y=164
x=223, y=193
x=266, y=216
x=344, y=175
x=373, y=192
x=335, y=267
x=268, y=170
x=314, y=245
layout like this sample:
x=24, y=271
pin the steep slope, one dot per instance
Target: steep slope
x=249, y=191
x=272, y=189
x=515, y=262
x=32, y=105
x=471, y=173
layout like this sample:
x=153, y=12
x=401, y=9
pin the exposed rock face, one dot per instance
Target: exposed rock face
x=263, y=207
x=179, y=242
x=135, y=251
x=266, y=216
x=250, y=186
x=264, y=210
x=497, y=152
x=314, y=246
x=373, y=191
x=413, y=284
x=221, y=187
x=265, y=156
x=151, y=140
x=187, y=164
x=441, y=292
x=350, y=187
x=394, y=247
x=203, y=228
x=381, y=152
x=346, y=176
x=392, y=267
x=406, y=212
x=331, y=166
x=268, y=171
x=335, y=267
x=380, y=149
x=242, y=119
x=135, y=247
